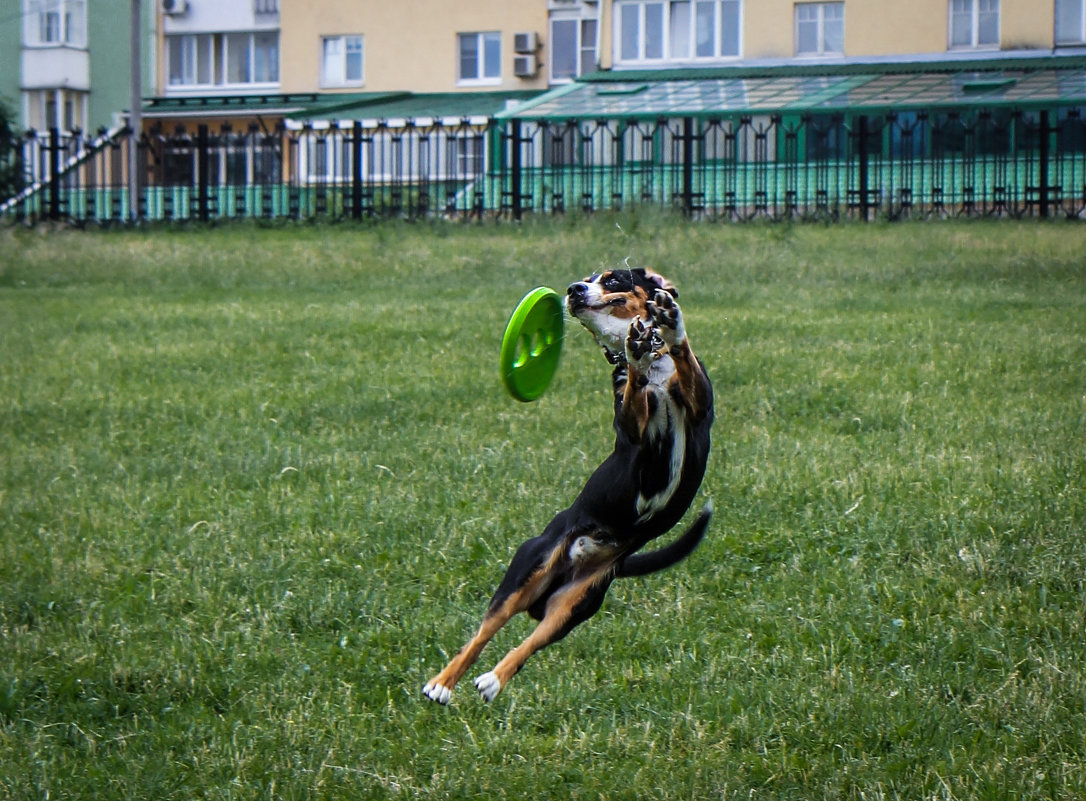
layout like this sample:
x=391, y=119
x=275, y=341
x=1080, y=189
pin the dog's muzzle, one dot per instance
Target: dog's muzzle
x=577, y=296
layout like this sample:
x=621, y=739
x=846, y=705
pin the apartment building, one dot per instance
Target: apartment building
x=66, y=63
x=296, y=55
x=396, y=101
x=273, y=58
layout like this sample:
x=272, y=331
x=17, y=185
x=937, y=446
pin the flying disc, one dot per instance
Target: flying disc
x=532, y=344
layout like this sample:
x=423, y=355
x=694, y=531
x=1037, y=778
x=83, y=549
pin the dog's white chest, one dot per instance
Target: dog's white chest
x=665, y=434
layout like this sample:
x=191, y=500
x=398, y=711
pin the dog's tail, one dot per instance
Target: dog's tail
x=641, y=564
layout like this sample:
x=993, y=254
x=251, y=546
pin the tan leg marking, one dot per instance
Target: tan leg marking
x=440, y=687
x=559, y=611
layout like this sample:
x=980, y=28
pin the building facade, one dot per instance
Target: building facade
x=324, y=48
x=66, y=63
x=747, y=107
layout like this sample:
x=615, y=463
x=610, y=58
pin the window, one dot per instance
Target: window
x=55, y=23
x=341, y=61
x=464, y=156
x=820, y=29
x=55, y=108
x=974, y=23
x=1070, y=22
x=573, y=48
x=480, y=57
x=676, y=30
x=226, y=60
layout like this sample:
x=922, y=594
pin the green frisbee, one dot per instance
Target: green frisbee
x=532, y=344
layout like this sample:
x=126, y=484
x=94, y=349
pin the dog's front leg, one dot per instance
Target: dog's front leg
x=644, y=346
x=665, y=314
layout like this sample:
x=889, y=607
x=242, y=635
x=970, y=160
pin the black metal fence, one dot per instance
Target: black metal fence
x=997, y=162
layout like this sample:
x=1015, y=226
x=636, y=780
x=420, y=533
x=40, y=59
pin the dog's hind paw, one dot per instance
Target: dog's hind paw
x=435, y=692
x=488, y=686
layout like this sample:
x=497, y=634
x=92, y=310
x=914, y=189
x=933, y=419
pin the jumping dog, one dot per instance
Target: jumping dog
x=663, y=413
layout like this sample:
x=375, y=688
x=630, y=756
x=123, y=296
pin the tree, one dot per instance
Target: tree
x=11, y=174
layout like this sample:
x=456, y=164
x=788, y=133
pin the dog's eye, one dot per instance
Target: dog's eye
x=612, y=283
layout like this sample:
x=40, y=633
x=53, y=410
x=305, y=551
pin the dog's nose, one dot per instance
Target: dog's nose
x=577, y=290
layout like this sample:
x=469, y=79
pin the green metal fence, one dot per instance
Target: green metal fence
x=973, y=162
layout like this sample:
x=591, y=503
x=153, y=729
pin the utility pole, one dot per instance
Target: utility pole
x=135, y=119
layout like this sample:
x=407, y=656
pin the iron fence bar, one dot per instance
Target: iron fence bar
x=516, y=168
x=203, y=179
x=53, y=156
x=1043, y=154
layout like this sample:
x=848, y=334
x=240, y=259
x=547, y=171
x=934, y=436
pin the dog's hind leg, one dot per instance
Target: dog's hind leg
x=508, y=601
x=572, y=604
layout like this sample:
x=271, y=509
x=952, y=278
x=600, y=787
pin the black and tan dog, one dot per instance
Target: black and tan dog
x=663, y=412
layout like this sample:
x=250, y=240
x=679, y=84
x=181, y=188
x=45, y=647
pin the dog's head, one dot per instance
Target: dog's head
x=605, y=303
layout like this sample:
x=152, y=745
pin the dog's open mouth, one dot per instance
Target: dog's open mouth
x=580, y=305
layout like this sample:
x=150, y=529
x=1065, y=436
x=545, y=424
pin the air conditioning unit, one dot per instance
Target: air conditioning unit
x=527, y=42
x=525, y=66
x=174, y=8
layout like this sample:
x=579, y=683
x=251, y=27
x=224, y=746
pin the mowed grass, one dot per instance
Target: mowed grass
x=258, y=485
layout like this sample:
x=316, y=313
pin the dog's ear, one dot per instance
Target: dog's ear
x=661, y=282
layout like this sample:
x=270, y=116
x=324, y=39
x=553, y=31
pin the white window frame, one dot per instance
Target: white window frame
x=677, y=46
x=68, y=108
x=215, y=48
x=334, y=75
x=586, y=45
x=822, y=13
x=973, y=10
x=1078, y=37
x=55, y=23
x=482, y=40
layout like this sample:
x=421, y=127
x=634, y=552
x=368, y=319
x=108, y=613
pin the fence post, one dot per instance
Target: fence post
x=1043, y=154
x=54, y=173
x=202, y=170
x=515, y=174
x=356, y=171
x=865, y=203
x=688, y=166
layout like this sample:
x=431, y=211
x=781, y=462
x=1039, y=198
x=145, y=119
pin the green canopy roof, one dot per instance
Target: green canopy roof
x=409, y=105
x=1019, y=83
x=340, y=106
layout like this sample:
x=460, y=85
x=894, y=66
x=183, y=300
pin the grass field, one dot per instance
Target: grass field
x=257, y=485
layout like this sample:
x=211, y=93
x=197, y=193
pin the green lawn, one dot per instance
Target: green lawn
x=257, y=485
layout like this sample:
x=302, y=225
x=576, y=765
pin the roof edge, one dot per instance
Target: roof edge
x=874, y=66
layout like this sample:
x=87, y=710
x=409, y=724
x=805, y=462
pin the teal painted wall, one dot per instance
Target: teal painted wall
x=108, y=38
x=108, y=46
x=10, y=41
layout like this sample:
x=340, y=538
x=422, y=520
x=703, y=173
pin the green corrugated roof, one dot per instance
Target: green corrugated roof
x=819, y=69
x=218, y=104
x=1013, y=82
x=357, y=105
x=408, y=105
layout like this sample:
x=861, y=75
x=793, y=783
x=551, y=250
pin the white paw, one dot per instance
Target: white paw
x=435, y=692
x=488, y=686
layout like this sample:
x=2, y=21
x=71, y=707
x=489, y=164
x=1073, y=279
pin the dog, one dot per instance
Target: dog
x=663, y=412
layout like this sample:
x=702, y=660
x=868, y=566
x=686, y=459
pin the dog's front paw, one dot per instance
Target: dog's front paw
x=435, y=692
x=665, y=314
x=644, y=345
x=488, y=685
